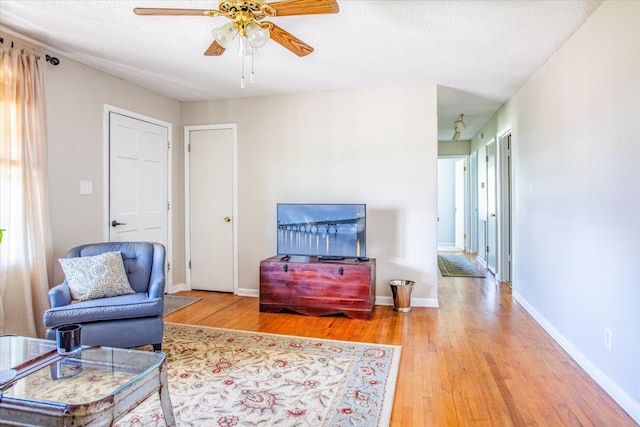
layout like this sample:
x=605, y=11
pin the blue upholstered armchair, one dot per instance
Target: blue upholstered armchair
x=128, y=320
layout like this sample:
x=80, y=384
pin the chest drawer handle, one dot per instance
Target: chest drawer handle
x=285, y=268
x=341, y=271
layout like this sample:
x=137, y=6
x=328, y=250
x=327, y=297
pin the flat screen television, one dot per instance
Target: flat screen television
x=330, y=231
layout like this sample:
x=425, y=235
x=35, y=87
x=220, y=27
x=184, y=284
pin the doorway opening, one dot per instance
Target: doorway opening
x=453, y=216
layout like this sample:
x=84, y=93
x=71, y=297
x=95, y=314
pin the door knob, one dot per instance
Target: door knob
x=227, y=219
x=115, y=223
x=493, y=215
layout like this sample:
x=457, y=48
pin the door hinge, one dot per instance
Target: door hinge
x=488, y=249
x=189, y=264
x=188, y=148
x=168, y=145
x=168, y=206
x=465, y=236
x=487, y=159
x=168, y=266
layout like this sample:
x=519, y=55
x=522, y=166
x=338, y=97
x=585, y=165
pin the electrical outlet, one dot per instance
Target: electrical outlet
x=86, y=188
x=608, y=337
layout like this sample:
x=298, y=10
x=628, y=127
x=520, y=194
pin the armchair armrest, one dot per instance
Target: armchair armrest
x=156, y=288
x=60, y=295
x=157, y=280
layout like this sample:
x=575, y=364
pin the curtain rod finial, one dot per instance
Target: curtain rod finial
x=53, y=60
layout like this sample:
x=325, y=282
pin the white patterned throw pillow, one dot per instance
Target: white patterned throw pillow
x=99, y=276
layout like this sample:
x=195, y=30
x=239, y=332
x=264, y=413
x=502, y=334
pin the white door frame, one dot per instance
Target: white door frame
x=108, y=109
x=187, y=195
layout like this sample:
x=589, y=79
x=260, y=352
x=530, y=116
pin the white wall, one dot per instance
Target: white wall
x=377, y=147
x=576, y=151
x=76, y=95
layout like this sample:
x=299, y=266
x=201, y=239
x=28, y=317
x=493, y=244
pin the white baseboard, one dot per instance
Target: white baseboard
x=621, y=397
x=177, y=288
x=245, y=292
x=415, y=302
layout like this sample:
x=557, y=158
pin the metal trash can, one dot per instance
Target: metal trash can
x=401, y=290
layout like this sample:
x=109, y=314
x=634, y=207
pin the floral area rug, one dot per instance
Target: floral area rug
x=226, y=378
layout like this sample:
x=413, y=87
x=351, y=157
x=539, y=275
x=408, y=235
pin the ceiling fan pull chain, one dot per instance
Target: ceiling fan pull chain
x=253, y=74
x=242, y=59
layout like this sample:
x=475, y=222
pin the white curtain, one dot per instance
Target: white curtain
x=26, y=248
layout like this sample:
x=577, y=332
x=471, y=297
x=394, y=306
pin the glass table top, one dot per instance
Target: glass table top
x=15, y=351
x=83, y=377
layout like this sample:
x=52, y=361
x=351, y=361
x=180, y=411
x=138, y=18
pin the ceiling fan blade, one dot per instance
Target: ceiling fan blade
x=287, y=40
x=171, y=12
x=304, y=7
x=214, y=50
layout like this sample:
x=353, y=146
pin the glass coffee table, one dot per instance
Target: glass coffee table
x=94, y=386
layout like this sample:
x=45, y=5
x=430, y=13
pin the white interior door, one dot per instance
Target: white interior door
x=210, y=207
x=482, y=204
x=492, y=237
x=473, y=207
x=138, y=174
x=504, y=208
x=460, y=189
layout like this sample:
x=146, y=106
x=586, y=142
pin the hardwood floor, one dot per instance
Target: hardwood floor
x=478, y=360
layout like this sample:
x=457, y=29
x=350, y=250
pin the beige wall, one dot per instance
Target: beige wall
x=347, y=146
x=454, y=148
x=377, y=147
x=76, y=98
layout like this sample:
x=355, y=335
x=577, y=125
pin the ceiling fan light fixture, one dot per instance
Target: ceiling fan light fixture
x=257, y=35
x=225, y=34
x=459, y=124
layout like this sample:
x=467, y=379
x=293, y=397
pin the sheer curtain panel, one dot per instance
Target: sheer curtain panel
x=26, y=248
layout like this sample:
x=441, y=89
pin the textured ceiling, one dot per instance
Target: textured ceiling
x=479, y=52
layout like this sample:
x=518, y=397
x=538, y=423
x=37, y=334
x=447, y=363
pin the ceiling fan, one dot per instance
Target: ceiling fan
x=246, y=20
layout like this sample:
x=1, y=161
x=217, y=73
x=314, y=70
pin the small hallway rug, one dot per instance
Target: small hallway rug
x=226, y=378
x=458, y=265
x=174, y=303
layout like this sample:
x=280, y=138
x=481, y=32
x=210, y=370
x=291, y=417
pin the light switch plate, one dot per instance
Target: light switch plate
x=86, y=188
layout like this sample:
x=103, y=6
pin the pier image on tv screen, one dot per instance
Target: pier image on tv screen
x=331, y=230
